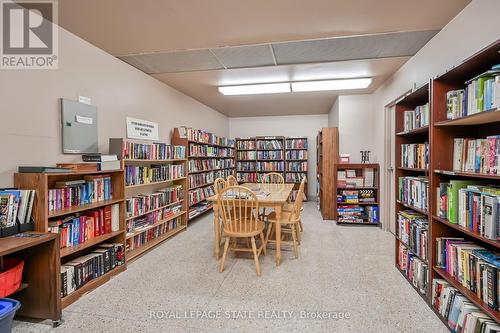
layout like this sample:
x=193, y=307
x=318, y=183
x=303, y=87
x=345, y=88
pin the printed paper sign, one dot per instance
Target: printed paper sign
x=142, y=129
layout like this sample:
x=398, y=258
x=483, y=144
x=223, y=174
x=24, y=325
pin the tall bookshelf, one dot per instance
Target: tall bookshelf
x=270, y=155
x=42, y=183
x=327, y=149
x=156, y=209
x=296, y=162
x=409, y=140
x=209, y=157
x=246, y=160
x=441, y=134
x=358, y=194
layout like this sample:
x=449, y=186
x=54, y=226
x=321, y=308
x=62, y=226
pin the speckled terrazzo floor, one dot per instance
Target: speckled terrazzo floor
x=343, y=271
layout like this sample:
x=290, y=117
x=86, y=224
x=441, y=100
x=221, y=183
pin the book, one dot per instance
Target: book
x=80, y=167
x=43, y=169
x=452, y=192
x=98, y=157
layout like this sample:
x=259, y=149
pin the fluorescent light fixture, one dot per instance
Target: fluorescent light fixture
x=331, y=85
x=251, y=89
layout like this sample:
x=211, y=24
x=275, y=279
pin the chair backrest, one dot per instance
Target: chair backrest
x=231, y=181
x=272, y=178
x=236, y=206
x=219, y=185
x=297, y=205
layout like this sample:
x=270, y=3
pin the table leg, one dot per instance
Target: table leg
x=216, y=232
x=277, y=209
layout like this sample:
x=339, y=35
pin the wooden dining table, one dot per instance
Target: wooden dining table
x=273, y=196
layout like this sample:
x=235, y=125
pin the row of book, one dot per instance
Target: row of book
x=80, y=271
x=413, y=231
x=196, y=150
x=199, y=209
x=143, y=203
x=78, y=228
x=270, y=155
x=414, y=191
x=472, y=266
x=459, y=313
x=209, y=164
x=293, y=143
x=246, y=155
x=270, y=166
x=296, y=166
x=143, y=222
x=472, y=205
x=479, y=95
x=200, y=194
x=224, y=173
x=415, y=155
x=356, y=196
x=200, y=179
x=357, y=214
x=247, y=177
x=90, y=189
x=417, y=118
x=269, y=144
x=477, y=155
x=294, y=177
x=296, y=155
x=137, y=175
x=414, y=268
x=245, y=144
x=245, y=166
x=15, y=206
x=150, y=234
x=204, y=137
x=152, y=151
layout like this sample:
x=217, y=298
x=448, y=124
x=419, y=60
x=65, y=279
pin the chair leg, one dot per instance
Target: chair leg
x=226, y=247
x=299, y=236
x=301, y=226
x=263, y=243
x=294, y=237
x=255, y=256
x=269, y=230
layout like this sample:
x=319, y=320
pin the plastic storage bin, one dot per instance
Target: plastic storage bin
x=8, y=308
x=10, y=278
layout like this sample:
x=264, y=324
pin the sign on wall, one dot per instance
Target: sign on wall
x=142, y=129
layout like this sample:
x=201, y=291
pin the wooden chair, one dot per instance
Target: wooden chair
x=237, y=206
x=289, y=220
x=219, y=185
x=231, y=181
x=270, y=178
x=289, y=207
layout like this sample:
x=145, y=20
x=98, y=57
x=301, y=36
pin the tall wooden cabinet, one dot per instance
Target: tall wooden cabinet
x=327, y=155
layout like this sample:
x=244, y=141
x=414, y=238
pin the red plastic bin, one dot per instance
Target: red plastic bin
x=10, y=278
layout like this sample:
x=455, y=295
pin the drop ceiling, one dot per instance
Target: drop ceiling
x=196, y=45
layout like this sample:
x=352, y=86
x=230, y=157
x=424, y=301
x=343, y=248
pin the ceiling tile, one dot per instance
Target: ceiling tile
x=245, y=56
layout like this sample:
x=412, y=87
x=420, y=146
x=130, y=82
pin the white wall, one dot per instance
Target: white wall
x=333, y=114
x=471, y=30
x=307, y=126
x=29, y=109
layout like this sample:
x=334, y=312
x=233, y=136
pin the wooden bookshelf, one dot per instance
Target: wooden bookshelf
x=361, y=172
x=41, y=183
x=192, y=139
x=40, y=289
x=296, y=150
x=136, y=238
x=440, y=134
x=327, y=157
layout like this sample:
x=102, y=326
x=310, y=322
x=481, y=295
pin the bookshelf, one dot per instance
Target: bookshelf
x=296, y=163
x=43, y=184
x=246, y=160
x=270, y=155
x=208, y=158
x=444, y=170
x=357, y=189
x=155, y=207
x=327, y=150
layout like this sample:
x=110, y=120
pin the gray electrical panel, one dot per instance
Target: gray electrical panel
x=79, y=127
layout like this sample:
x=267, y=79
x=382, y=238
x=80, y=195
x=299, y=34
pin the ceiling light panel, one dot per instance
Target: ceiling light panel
x=253, y=89
x=352, y=48
x=325, y=85
x=244, y=56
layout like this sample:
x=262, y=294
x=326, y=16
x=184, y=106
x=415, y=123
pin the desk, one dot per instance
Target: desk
x=268, y=196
